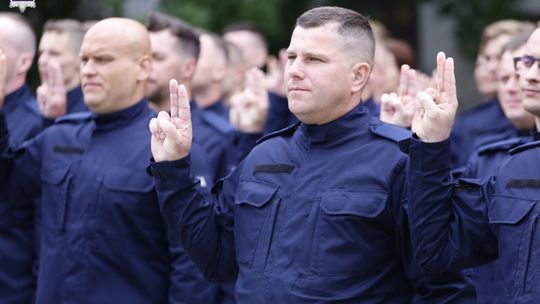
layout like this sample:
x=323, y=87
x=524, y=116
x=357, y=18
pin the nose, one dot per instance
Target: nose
x=294, y=69
x=87, y=68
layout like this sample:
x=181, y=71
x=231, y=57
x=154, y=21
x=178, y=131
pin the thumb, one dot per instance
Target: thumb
x=426, y=102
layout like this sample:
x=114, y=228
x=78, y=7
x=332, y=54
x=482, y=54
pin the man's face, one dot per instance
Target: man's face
x=166, y=65
x=252, y=48
x=384, y=76
x=487, y=63
x=57, y=46
x=11, y=56
x=211, y=60
x=318, y=75
x=109, y=73
x=509, y=92
x=530, y=77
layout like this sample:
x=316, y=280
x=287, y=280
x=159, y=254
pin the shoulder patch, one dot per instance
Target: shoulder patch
x=516, y=150
x=503, y=145
x=217, y=122
x=74, y=118
x=288, y=131
x=389, y=131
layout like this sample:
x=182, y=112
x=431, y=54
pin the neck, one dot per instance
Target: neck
x=207, y=96
x=72, y=83
x=537, y=123
x=12, y=86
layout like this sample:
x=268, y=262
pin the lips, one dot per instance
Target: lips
x=91, y=85
x=531, y=92
x=297, y=89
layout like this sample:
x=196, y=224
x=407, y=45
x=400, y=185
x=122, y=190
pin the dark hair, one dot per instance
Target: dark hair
x=70, y=27
x=517, y=42
x=188, y=39
x=353, y=26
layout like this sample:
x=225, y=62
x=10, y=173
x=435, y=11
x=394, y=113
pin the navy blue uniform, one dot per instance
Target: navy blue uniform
x=102, y=239
x=373, y=107
x=313, y=214
x=467, y=223
x=478, y=126
x=17, y=284
x=279, y=116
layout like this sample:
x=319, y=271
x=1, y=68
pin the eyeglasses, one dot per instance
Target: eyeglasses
x=525, y=61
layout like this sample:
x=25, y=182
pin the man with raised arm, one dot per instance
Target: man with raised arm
x=315, y=213
x=464, y=223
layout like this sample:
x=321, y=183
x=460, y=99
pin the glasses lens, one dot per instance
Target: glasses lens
x=527, y=61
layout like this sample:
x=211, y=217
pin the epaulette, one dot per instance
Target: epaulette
x=389, y=131
x=74, y=118
x=288, y=131
x=524, y=147
x=503, y=145
x=217, y=122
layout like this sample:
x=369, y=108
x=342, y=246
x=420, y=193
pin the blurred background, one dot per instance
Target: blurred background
x=453, y=26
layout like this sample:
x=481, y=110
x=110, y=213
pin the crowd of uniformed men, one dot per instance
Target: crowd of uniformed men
x=337, y=175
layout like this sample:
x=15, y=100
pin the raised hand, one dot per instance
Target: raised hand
x=399, y=109
x=250, y=107
x=2, y=77
x=52, y=94
x=275, y=75
x=172, y=134
x=437, y=107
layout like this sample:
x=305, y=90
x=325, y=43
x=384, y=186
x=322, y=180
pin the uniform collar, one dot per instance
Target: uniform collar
x=122, y=117
x=337, y=128
x=16, y=98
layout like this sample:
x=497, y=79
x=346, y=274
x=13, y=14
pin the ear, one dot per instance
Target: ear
x=188, y=69
x=359, y=76
x=24, y=62
x=145, y=67
x=219, y=72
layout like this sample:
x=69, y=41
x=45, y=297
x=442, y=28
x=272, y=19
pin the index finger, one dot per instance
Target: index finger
x=449, y=78
x=403, y=80
x=441, y=58
x=173, y=93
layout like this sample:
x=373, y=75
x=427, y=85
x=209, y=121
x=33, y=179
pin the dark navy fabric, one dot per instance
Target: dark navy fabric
x=315, y=214
x=478, y=126
x=75, y=101
x=484, y=163
x=465, y=223
x=373, y=107
x=279, y=116
x=17, y=284
x=220, y=109
x=102, y=236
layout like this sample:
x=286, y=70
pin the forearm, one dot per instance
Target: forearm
x=194, y=221
x=448, y=222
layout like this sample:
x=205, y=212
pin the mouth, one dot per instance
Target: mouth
x=297, y=89
x=91, y=85
x=531, y=92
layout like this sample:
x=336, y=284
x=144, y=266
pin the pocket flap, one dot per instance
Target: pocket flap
x=128, y=180
x=356, y=203
x=509, y=210
x=254, y=194
x=55, y=175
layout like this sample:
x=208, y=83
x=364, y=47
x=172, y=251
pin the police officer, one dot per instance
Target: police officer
x=60, y=90
x=103, y=239
x=486, y=121
x=465, y=223
x=315, y=212
x=18, y=42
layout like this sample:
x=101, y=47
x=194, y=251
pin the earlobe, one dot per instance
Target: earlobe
x=145, y=65
x=24, y=63
x=360, y=75
x=189, y=67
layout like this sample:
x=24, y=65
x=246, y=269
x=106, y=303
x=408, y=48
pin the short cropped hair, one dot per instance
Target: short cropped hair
x=27, y=41
x=247, y=26
x=517, y=42
x=503, y=27
x=352, y=26
x=188, y=39
x=71, y=27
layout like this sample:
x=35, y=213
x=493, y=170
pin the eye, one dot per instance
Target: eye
x=527, y=61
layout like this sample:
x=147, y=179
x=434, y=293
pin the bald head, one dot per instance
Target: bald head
x=115, y=64
x=125, y=34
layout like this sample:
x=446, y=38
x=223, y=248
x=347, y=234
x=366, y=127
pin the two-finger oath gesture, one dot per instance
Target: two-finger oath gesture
x=172, y=134
x=437, y=107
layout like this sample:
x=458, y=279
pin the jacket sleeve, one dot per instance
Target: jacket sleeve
x=448, y=219
x=204, y=226
x=451, y=286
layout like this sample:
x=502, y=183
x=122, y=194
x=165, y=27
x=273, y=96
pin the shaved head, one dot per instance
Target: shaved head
x=125, y=34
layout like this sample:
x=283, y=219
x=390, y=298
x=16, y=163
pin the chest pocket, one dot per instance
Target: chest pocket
x=128, y=203
x=54, y=198
x=516, y=221
x=253, y=212
x=348, y=233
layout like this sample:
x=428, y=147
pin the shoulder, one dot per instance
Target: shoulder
x=388, y=131
x=525, y=147
x=216, y=122
x=286, y=132
x=74, y=118
x=503, y=145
